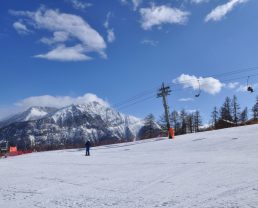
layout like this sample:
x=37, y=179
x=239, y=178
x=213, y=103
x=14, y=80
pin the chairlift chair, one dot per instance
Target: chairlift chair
x=199, y=91
x=249, y=86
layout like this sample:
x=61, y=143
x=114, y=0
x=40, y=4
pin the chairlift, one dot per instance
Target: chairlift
x=199, y=91
x=249, y=86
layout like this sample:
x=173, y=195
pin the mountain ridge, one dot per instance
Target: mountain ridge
x=32, y=113
x=71, y=126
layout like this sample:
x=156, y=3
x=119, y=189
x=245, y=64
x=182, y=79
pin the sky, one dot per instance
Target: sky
x=63, y=52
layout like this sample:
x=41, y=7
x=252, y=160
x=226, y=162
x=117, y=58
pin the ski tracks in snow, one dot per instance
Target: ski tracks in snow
x=205, y=170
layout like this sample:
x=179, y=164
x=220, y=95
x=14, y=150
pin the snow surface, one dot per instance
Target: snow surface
x=209, y=169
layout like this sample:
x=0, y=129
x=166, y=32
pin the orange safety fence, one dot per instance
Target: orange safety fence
x=14, y=152
x=19, y=152
x=13, y=149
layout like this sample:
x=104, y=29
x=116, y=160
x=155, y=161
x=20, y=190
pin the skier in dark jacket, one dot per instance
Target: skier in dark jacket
x=87, y=146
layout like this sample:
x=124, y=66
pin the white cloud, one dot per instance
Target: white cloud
x=243, y=88
x=7, y=111
x=21, y=28
x=135, y=3
x=232, y=85
x=199, y=1
x=191, y=110
x=240, y=87
x=59, y=101
x=149, y=42
x=222, y=10
x=106, y=23
x=110, y=31
x=124, y=2
x=158, y=15
x=185, y=99
x=111, y=35
x=64, y=27
x=58, y=37
x=63, y=53
x=207, y=84
x=80, y=5
x=49, y=101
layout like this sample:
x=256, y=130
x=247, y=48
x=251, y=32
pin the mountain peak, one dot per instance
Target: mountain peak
x=32, y=113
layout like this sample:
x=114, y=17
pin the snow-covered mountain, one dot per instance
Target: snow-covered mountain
x=33, y=113
x=71, y=126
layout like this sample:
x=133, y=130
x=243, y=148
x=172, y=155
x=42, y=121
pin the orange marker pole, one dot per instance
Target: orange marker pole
x=171, y=133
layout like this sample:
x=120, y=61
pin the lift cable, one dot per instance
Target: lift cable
x=142, y=96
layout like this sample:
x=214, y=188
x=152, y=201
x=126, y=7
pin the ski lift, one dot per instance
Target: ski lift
x=249, y=86
x=199, y=91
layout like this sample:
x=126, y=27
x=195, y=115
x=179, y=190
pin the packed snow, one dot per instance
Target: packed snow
x=209, y=169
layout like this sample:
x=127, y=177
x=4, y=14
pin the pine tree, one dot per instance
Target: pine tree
x=244, y=115
x=175, y=121
x=226, y=113
x=235, y=110
x=255, y=110
x=215, y=117
x=183, y=116
x=190, y=123
x=163, y=124
x=149, y=122
x=150, y=129
x=197, y=121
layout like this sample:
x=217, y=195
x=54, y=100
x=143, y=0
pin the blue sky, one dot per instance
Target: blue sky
x=54, y=51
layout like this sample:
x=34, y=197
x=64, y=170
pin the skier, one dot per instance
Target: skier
x=87, y=146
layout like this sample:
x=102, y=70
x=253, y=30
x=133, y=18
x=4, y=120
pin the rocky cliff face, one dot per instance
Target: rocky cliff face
x=71, y=126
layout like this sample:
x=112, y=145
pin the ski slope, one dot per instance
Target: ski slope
x=209, y=169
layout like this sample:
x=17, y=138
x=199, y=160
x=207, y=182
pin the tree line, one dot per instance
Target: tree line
x=228, y=115
x=182, y=122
